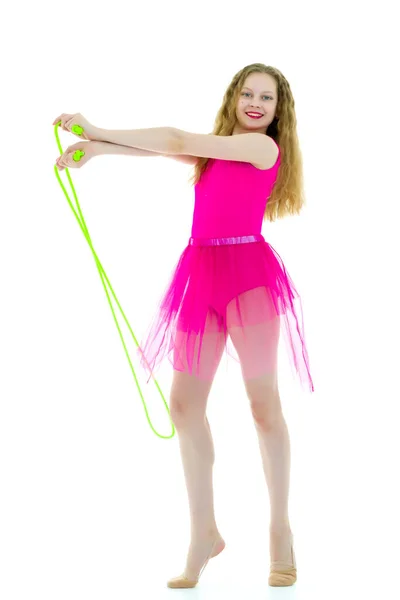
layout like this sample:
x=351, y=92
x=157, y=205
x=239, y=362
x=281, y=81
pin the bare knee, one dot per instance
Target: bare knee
x=184, y=413
x=188, y=399
x=265, y=402
x=264, y=417
x=180, y=410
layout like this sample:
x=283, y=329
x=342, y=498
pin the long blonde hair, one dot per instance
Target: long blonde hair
x=287, y=197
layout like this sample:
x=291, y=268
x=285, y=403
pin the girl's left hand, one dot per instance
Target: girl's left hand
x=66, y=160
x=90, y=132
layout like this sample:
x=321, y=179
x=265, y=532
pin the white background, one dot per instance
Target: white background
x=92, y=503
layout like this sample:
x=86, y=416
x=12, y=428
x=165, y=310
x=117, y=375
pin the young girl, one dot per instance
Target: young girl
x=231, y=286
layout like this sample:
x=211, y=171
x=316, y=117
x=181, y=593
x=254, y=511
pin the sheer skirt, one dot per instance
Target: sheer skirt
x=231, y=294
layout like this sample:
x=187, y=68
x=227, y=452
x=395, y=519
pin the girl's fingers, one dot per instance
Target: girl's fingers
x=63, y=164
x=58, y=119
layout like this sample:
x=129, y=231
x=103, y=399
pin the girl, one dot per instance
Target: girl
x=231, y=287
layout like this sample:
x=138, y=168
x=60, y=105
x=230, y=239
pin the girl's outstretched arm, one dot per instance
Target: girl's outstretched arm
x=163, y=140
x=110, y=148
x=258, y=149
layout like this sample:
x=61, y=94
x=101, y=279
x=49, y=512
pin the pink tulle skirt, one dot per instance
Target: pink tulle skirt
x=233, y=294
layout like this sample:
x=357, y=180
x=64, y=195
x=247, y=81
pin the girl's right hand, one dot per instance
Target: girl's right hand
x=66, y=159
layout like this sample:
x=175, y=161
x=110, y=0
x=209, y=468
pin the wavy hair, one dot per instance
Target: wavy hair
x=287, y=196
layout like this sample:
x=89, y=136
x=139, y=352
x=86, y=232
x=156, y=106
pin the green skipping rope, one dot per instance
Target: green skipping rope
x=77, y=129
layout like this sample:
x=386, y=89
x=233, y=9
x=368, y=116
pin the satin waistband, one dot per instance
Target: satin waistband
x=244, y=239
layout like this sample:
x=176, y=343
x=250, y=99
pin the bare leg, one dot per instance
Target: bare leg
x=189, y=396
x=258, y=350
x=197, y=453
x=274, y=443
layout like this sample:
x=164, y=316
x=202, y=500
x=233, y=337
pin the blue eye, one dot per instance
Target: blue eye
x=244, y=93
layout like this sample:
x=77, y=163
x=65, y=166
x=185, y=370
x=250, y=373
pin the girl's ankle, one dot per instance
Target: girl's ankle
x=205, y=534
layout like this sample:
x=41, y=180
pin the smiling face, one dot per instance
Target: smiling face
x=258, y=94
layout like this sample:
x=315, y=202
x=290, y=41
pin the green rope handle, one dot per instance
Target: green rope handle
x=78, y=154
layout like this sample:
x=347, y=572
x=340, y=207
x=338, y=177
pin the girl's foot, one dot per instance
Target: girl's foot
x=202, y=549
x=283, y=570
